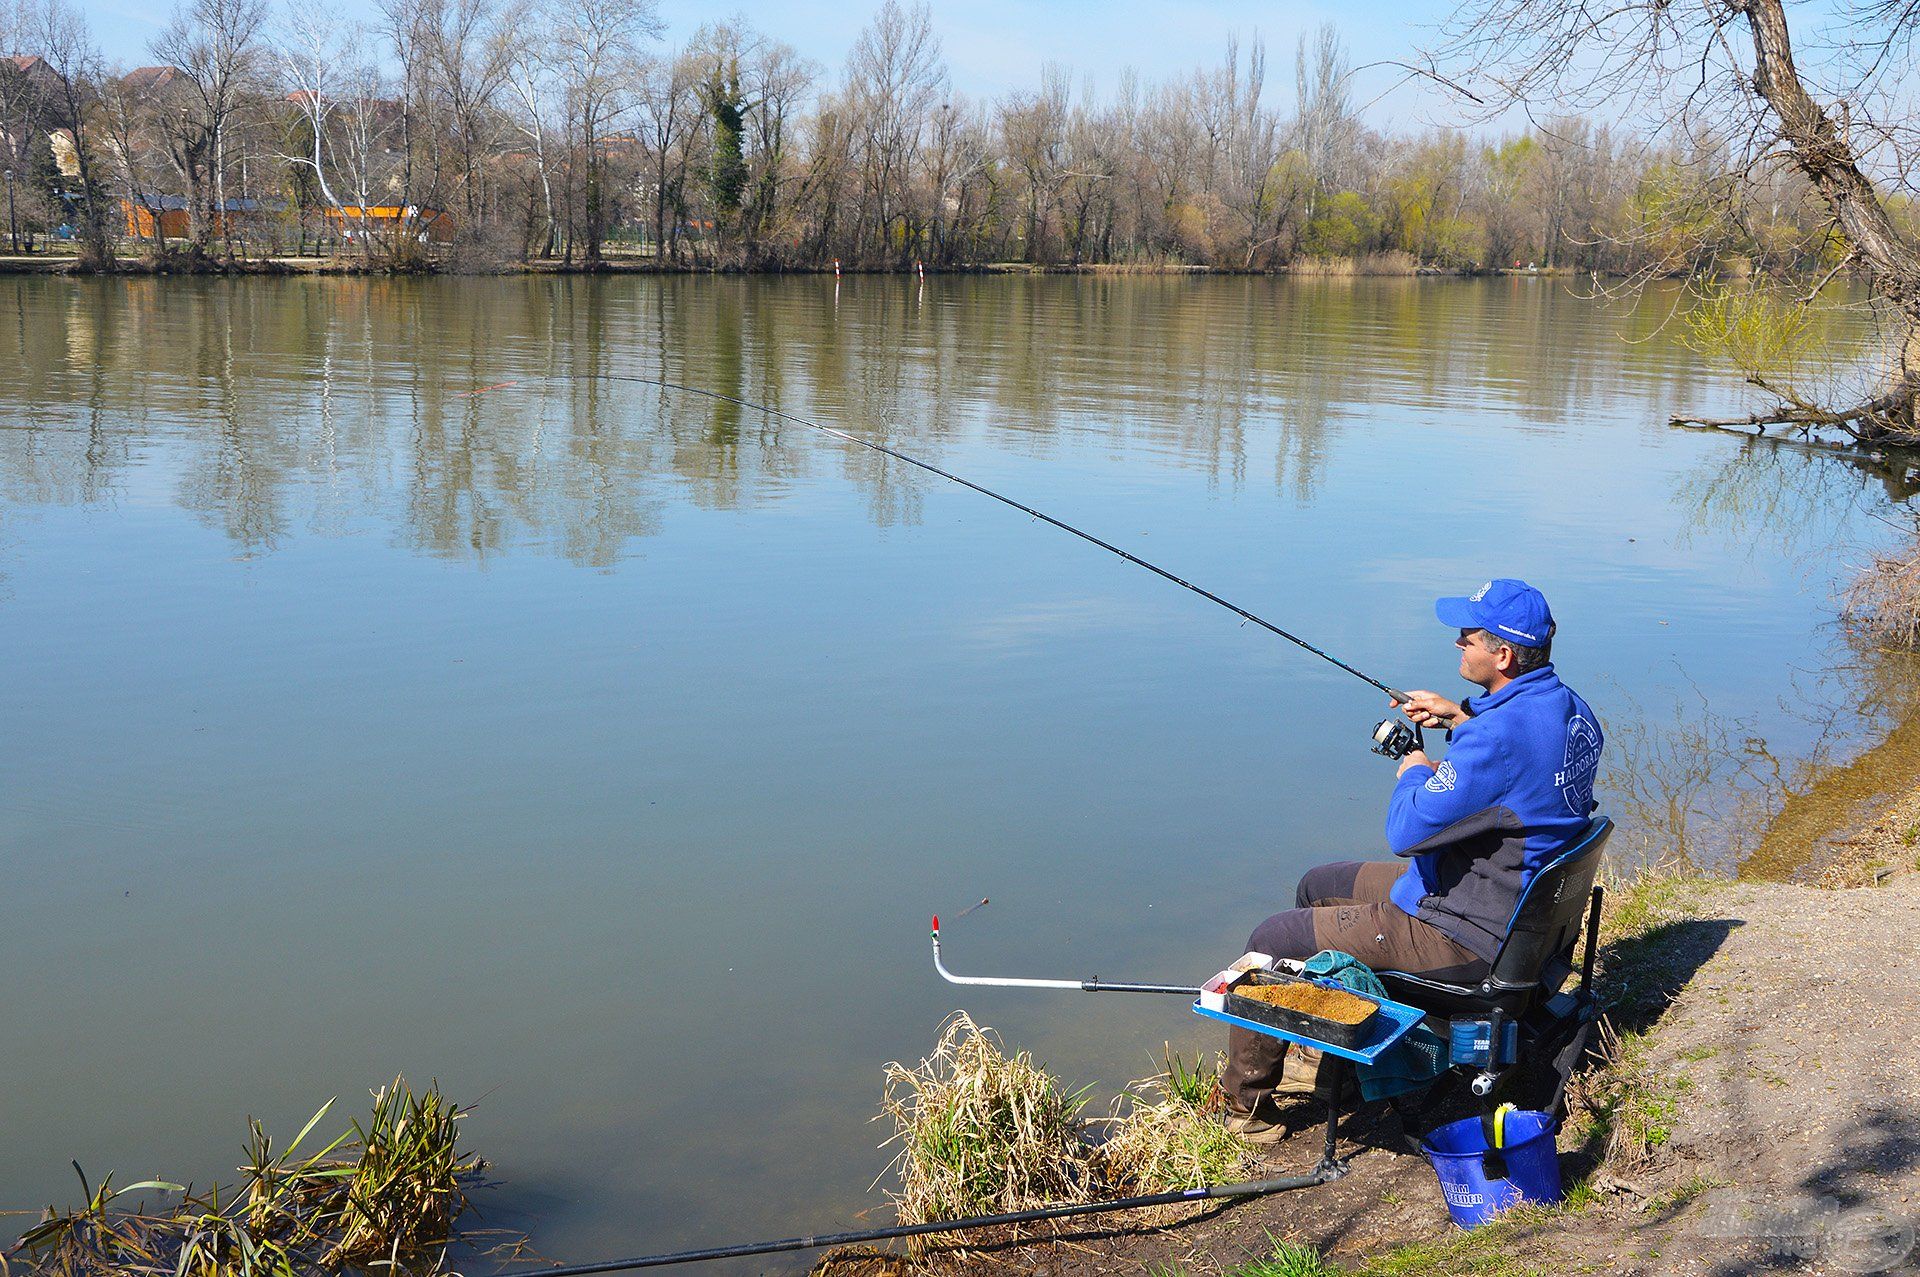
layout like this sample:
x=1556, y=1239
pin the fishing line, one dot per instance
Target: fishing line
x=1398, y=697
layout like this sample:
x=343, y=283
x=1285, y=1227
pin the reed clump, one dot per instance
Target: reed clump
x=1390, y=262
x=982, y=1132
x=384, y=1194
x=1166, y=1131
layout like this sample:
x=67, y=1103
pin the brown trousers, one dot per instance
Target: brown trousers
x=1341, y=906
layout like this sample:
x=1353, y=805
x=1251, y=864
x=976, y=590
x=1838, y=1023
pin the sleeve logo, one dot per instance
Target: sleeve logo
x=1443, y=778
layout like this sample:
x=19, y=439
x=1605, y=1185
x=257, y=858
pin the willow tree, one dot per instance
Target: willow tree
x=1843, y=119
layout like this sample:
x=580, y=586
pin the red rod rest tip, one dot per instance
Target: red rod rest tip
x=936, y=922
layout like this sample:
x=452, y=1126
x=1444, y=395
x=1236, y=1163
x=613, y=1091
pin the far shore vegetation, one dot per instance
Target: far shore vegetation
x=484, y=134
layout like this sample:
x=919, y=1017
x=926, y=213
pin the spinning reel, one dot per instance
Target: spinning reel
x=1395, y=738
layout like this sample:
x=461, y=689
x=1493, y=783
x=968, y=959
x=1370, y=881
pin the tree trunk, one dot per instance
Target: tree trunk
x=1824, y=153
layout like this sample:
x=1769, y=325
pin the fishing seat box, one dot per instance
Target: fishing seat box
x=1529, y=1007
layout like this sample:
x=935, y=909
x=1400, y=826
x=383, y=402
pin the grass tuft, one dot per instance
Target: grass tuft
x=1650, y=896
x=404, y=1190
x=387, y=1193
x=1166, y=1131
x=1289, y=1259
x=1645, y=930
x=1284, y=1259
x=982, y=1131
x=1500, y=1248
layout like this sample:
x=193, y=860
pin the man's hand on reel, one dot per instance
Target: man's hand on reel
x=1430, y=709
x=1405, y=745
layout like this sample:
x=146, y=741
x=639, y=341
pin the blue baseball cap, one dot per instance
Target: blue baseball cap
x=1511, y=609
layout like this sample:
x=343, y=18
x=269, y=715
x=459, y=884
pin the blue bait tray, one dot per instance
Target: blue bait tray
x=1387, y=1027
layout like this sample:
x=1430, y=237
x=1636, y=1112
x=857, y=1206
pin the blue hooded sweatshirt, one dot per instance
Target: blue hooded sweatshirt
x=1515, y=790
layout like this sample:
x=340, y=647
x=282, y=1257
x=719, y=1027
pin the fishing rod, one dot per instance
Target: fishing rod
x=1095, y=985
x=1395, y=695
x=1325, y=1173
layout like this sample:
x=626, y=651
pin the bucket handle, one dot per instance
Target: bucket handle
x=1493, y=1131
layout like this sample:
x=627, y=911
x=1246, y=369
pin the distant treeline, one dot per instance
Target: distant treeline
x=487, y=132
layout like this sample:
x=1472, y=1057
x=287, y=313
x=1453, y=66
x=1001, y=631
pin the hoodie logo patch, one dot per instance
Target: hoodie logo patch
x=1443, y=778
x=1575, y=779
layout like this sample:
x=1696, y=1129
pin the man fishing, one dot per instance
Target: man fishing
x=1515, y=789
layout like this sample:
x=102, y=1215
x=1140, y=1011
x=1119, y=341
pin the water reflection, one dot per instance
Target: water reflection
x=315, y=402
x=1760, y=488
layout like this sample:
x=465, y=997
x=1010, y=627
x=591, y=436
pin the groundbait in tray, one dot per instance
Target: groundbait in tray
x=1339, y=1032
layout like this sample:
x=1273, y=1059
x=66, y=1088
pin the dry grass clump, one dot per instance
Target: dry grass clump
x=1884, y=599
x=385, y=1194
x=1391, y=262
x=1165, y=1132
x=983, y=1132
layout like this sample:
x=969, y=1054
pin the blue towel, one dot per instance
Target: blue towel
x=1409, y=1064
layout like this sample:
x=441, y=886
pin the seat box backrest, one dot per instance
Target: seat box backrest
x=1548, y=918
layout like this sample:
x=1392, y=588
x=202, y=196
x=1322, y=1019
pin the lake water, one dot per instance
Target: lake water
x=386, y=691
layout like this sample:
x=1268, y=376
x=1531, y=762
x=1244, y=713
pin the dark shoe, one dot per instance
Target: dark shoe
x=1266, y=1127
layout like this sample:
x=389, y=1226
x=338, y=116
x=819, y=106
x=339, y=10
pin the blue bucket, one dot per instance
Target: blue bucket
x=1478, y=1181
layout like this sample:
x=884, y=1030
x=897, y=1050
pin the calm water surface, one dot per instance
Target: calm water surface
x=384, y=692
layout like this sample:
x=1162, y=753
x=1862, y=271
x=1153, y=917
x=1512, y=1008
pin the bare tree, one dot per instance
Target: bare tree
x=133, y=137
x=1508, y=172
x=777, y=81
x=310, y=53
x=1170, y=139
x=1727, y=69
x=597, y=47
x=469, y=53
x=1087, y=192
x=74, y=59
x=216, y=45
x=1325, y=126
x=895, y=78
x=366, y=148
x=669, y=107
x=1251, y=183
x=1033, y=133
x=26, y=93
x=408, y=25
x=531, y=78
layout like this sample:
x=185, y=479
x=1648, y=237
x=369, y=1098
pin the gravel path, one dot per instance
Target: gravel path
x=1795, y=1085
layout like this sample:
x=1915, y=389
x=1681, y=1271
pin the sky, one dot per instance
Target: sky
x=993, y=46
